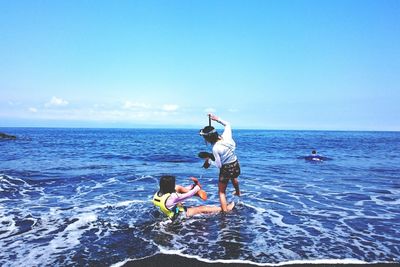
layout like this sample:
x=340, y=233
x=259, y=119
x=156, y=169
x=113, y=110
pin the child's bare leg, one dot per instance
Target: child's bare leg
x=235, y=183
x=231, y=206
x=202, y=210
x=207, y=209
x=222, y=196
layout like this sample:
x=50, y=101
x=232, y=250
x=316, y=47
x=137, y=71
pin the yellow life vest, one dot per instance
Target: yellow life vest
x=160, y=202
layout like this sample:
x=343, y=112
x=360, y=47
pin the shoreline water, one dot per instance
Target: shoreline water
x=83, y=197
x=170, y=260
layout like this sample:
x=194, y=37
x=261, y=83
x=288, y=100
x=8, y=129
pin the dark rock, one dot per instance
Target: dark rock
x=7, y=136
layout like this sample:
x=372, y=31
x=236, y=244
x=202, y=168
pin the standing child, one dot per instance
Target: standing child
x=224, y=157
x=170, y=196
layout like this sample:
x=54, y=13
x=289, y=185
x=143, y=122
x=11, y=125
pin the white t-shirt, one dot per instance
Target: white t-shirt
x=224, y=150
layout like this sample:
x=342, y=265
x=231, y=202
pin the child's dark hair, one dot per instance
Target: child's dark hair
x=167, y=184
x=212, y=138
x=210, y=134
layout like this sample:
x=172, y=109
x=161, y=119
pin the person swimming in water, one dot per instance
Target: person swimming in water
x=170, y=196
x=314, y=156
x=224, y=157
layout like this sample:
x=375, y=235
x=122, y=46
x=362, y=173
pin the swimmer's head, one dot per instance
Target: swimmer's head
x=314, y=152
x=210, y=134
x=167, y=184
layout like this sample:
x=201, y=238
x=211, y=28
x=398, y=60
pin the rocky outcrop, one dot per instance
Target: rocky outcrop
x=7, y=136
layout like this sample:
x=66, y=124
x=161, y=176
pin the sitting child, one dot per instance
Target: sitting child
x=170, y=196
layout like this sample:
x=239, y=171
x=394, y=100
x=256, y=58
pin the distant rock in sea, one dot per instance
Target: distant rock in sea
x=7, y=136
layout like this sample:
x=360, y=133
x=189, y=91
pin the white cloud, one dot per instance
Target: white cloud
x=56, y=102
x=14, y=104
x=131, y=105
x=233, y=110
x=114, y=111
x=135, y=105
x=170, y=107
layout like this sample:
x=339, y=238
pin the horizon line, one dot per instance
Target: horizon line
x=154, y=127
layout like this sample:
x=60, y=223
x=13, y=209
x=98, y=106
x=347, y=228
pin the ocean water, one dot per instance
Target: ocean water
x=83, y=197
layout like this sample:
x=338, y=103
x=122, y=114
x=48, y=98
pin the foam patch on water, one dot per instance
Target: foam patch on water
x=53, y=221
x=44, y=227
x=7, y=222
x=317, y=261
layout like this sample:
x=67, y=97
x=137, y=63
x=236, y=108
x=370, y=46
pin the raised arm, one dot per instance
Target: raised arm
x=217, y=119
x=175, y=198
x=227, y=126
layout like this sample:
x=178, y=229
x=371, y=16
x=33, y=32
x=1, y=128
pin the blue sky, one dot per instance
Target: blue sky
x=317, y=65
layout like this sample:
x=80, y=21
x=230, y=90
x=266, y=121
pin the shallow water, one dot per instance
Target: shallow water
x=83, y=196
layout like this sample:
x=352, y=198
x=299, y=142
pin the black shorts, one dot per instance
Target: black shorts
x=229, y=171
